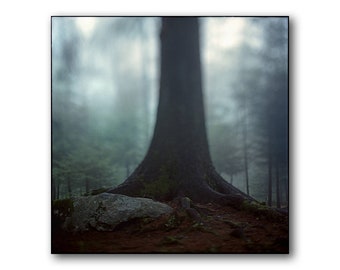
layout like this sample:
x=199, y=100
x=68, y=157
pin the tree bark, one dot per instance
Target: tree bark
x=69, y=188
x=245, y=156
x=54, y=191
x=244, y=133
x=58, y=191
x=87, y=185
x=178, y=162
x=127, y=169
x=270, y=165
x=278, y=190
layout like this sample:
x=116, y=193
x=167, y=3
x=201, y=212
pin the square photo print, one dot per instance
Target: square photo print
x=170, y=135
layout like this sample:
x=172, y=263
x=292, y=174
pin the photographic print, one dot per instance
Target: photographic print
x=170, y=135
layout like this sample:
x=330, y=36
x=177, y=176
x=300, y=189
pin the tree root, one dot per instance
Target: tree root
x=199, y=189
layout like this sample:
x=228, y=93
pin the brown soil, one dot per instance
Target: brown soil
x=220, y=230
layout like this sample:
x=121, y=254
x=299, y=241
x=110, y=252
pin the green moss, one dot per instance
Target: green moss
x=96, y=191
x=210, y=182
x=252, y=206
x=63, y=207
x=172, y=223
x=261, y=210
x=156, y=189
x=170, y=240
x=213, y=249
x=161, y=187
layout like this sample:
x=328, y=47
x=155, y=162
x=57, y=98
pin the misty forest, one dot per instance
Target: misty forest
x=181, y=120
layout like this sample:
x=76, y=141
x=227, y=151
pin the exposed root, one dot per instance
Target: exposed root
x=226, y=188
x=127, y=188
x=213, y=188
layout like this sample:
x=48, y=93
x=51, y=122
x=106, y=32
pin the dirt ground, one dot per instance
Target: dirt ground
x=219, y=230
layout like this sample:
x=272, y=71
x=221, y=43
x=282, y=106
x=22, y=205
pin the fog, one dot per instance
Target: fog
x=105, y=81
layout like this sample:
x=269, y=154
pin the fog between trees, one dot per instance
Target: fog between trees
x=105, y=81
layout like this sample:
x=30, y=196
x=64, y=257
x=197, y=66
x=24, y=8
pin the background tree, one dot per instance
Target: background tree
x=227, y=154
x=65, y=112
x=104, y=100
x=241, y=95
x=271, y=104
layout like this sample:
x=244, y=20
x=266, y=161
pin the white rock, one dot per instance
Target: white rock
x=105, y=211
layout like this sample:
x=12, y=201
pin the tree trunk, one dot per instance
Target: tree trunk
x=69, y=188
x=57, y=191
x=245, y=156
x=178, y=161
x=127, y=169
x=54, y=191
x=145, y=84
x=87, y=185
x=244, y=134
x=285, y=185
x=269, y=196
x=278, y=190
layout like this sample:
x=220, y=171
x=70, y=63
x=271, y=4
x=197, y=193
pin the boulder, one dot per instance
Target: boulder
x=105, y=211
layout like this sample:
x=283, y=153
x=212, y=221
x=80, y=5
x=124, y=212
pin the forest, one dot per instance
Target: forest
x=113, y=112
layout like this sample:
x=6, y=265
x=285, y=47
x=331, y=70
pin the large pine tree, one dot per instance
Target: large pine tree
x=178, y=162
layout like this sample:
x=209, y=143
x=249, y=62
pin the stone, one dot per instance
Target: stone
x=103, y=212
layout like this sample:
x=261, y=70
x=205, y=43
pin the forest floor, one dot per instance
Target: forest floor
x=221, y=229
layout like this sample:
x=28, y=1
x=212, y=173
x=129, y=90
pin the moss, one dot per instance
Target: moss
x=232, y=224
x=261, y=210
x=213, y=249
x=199, y=226
x=160, y=188
x=63, y=208
x=172, y=223
x=210, y=182
x=156, y=189
x=147, y=220
x=254, y=207
x=96, y=191
x=170, y=240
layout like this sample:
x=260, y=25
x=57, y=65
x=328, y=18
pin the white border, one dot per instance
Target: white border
x=25, y=132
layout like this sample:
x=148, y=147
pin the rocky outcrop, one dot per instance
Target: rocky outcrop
x=105, y=211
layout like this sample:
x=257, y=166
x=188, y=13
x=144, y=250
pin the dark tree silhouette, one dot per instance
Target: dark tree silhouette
x=178, y=161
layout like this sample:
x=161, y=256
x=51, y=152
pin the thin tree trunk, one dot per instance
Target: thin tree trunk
x=278, y=190
x=127, y=169
x=145, y=86
x=54, y=191
x=245, y=145
x=69, y=188
x=246, y=169
x=269, y=195
x=285, y=184
x=87, y=185
x=58, y=191
x=244, y=136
